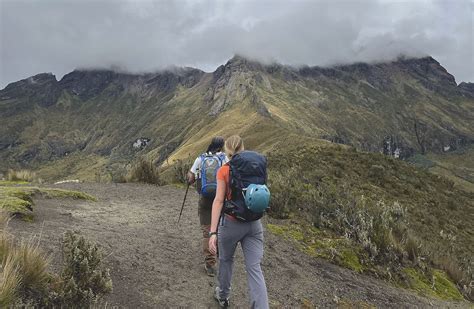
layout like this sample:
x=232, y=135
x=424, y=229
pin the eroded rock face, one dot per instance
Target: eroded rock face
x=235, y=82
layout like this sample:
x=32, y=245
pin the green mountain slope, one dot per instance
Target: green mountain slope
x=400, y=108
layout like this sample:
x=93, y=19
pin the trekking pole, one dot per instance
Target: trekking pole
x=182, y=207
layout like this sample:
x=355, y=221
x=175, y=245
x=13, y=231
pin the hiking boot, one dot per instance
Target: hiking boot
x=223, y=302
x=210, y=270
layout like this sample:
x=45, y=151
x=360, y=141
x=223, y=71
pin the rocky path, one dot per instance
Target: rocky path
x=156, y=263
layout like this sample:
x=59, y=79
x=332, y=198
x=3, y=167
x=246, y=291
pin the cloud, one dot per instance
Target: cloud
x=142, y=35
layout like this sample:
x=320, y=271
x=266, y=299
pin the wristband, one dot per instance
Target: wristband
x=212, y=233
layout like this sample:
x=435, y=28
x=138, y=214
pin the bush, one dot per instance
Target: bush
x=180, y=170
x=82, y=281
x=283, y=195
x=144, y=171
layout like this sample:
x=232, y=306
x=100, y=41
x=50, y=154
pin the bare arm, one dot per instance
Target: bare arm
x=217, y=204
x=191, y=178
x=216, y=213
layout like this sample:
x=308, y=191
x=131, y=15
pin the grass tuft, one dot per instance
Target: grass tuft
x=61, y=193
x=21, y=175
x=10, y=280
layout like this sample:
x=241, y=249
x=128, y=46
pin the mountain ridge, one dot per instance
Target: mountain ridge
x=401, y=108
x=242, y=62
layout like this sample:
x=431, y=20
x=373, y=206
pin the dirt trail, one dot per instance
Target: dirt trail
x=155, y=263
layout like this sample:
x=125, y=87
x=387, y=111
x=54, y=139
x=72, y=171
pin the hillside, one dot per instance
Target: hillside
x=88, y=122
x=392, y=217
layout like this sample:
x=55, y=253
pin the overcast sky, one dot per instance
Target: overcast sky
x=140, y=35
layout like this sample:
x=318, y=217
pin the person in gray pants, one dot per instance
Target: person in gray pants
x=229, y=234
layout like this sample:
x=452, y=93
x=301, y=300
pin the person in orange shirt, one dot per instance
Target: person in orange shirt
x=232, y=229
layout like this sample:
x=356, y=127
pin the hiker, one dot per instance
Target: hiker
x=232, y=221
x=206, y=165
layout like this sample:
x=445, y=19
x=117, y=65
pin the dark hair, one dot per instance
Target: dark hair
x=216, y=144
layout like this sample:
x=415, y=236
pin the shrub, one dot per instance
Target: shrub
x=82, y=281
x=144, y=171
x=180, y=170
x=283, y=194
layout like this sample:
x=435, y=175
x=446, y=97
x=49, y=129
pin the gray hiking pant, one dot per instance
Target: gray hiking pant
x=250, y=236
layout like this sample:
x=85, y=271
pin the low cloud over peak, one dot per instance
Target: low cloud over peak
x=53, y=35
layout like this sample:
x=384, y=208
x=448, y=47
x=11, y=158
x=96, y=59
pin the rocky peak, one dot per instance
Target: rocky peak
x=235, y=82
x=42, y=89
x=42, y=78
x=241, y=64
x=431, y=74
x=35, y=81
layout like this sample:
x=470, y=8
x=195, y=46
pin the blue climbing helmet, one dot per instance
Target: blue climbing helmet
x=257, y=197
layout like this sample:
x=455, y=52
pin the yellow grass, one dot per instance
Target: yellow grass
x=24, y=267
x=21, y=175
x=9, y=281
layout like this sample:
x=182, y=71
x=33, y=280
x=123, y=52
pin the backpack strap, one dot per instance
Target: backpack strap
x=235, y=181
x=229, y=184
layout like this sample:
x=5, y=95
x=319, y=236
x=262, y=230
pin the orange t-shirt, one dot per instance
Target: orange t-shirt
x=224, y=174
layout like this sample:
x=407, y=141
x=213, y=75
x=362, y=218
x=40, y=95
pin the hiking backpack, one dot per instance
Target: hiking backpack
x=210, y=163
x=249, y=193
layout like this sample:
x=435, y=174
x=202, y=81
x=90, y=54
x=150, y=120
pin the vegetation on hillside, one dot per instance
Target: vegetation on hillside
x=26, y=282
x=91, y=132
x=401, y=217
